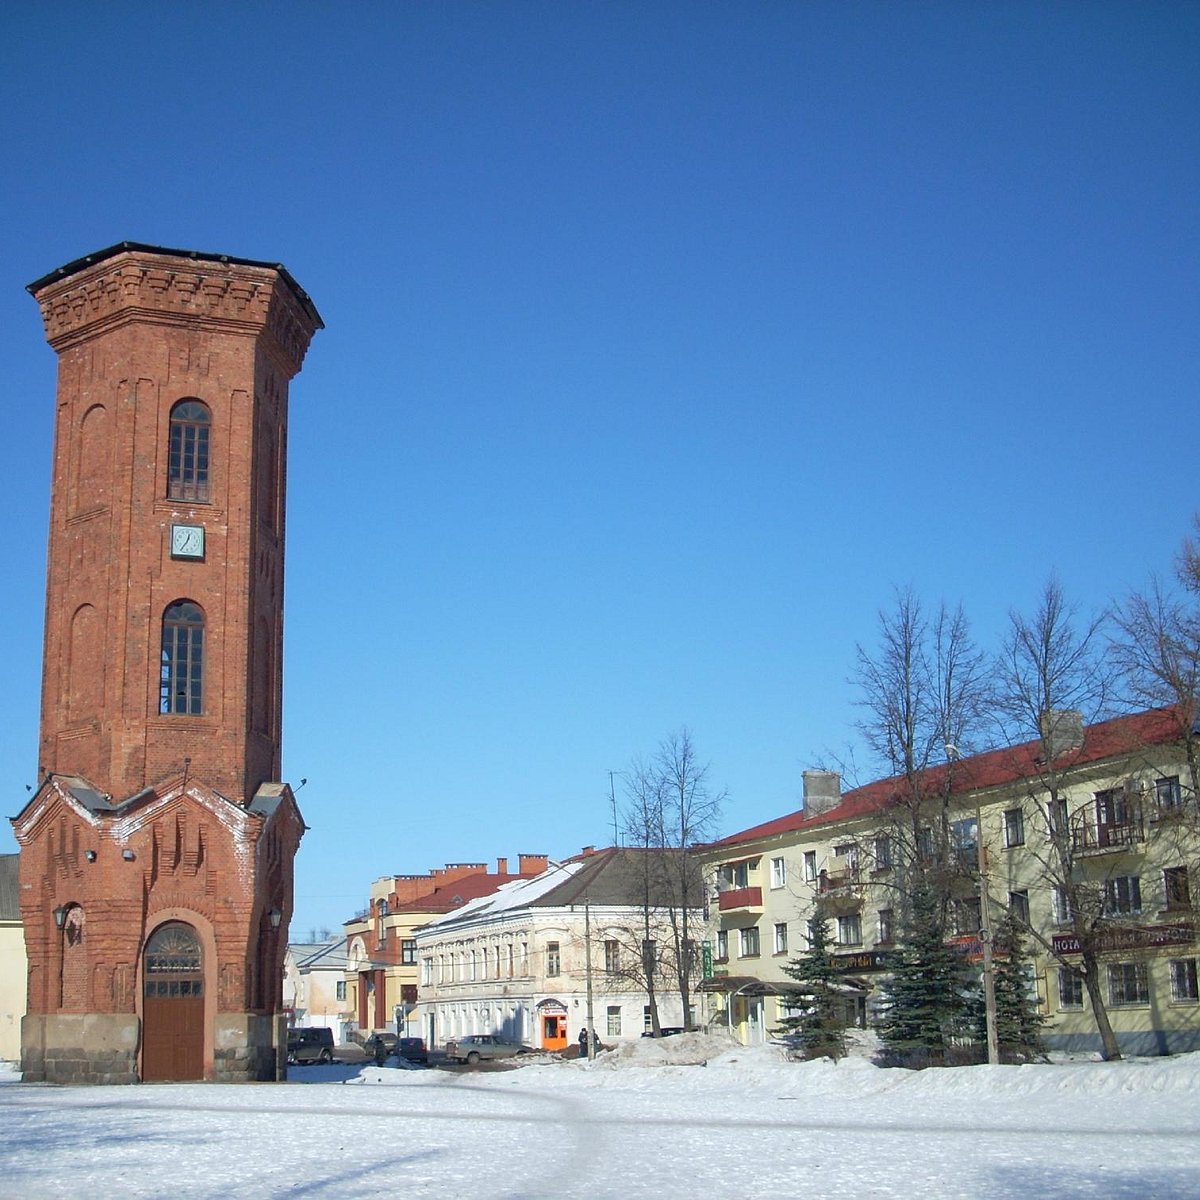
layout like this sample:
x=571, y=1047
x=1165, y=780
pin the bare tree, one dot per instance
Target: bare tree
x=644, y=815
x=925, y=690
x=691, y=808
x=1157, y=650
x=672, y=806
x=1053, y=679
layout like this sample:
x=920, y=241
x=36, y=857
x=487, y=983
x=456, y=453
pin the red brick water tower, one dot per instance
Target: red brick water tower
x=157, y=851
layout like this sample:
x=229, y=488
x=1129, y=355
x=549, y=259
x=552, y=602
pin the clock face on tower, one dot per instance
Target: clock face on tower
x=187, y=541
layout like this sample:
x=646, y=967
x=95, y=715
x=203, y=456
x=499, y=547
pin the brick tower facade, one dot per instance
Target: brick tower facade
x=156, y=855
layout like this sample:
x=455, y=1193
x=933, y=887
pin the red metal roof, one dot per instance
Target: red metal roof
x=1105, y=739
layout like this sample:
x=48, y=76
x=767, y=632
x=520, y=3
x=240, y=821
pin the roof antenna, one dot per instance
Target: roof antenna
x=612, y=795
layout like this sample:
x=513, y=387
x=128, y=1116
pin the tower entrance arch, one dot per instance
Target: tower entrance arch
x=173, y=1004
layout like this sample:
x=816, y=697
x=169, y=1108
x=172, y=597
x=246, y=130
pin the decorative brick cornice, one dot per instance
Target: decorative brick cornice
x=176, y=289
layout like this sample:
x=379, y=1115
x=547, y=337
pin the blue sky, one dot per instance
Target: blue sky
x=663, y=341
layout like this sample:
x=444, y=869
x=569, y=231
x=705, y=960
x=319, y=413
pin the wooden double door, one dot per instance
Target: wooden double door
x=173, y=1005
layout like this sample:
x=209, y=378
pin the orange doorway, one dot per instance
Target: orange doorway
x=554, y=1031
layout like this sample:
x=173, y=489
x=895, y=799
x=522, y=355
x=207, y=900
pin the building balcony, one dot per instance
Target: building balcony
x=747, y=899
x=1106, y=837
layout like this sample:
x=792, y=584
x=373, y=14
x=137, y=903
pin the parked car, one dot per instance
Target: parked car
x=310, y=1044
x=380, y=1045
x=413, y=1049
x=666, y=1031
x=482, y=1047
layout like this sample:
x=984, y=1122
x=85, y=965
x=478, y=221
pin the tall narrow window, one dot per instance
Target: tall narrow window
x=181, y=671
x=187, y=459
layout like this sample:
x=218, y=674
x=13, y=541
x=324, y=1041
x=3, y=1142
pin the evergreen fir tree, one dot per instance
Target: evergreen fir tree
x=818, y=1014
x=928, y=996
x=1018, y=1022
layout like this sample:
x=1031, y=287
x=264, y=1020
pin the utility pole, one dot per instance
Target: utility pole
x=985, y=938
x=587, y=958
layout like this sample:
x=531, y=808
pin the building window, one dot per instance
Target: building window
x=781, y=937
x=553, y=963
x=1183, y=981
x=778, y=872
x=925, y=844
x=1070, y=988
x=810, y=866
x=850, y=930
x=181, y=670
x=474, y=966
x=1063, y=913
x=883, y=853
x=613, y=1025
x=722, y=946
x=426, y=972
x=408, y=951
x=1128, y=983
x=1057, y=819
x=341, y=989
x=647, y=1021
x=1018, y=905
x=964, y=841
x=964, y=916
x=1014, y=827
x=1178, y=890
x=1167, y=794
x=735, y=875
x=187, y=458
x=1122, y=896
x=749, y=942
x=885, y=926
x=612, y=956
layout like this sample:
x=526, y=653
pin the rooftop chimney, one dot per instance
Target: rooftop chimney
x=822, y=791
x=1061, y=729
x=502, y=866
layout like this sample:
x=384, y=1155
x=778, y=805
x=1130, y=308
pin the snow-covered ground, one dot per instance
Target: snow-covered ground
x=687, y=1116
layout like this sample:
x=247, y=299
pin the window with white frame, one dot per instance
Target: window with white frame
x=426, y=971
x=1167, y=794
x=849, y=929
x=749, y=942
x=722, y=945
x=613, y=1025
x=781, y=944
x=1122, y=896
x=1058, y=822
x=883, y=853
x=1063, y=914
x=341, y=989
x=1183, y=981
x=612, y=956
x=1018, y=905
x=810, y=866
x=778, y=872
x=1128, y=983
x=1014, y=827
x=886, y=926
x=553, y=962
x=647, y=1020
x=735, y=875
x=1070, y=988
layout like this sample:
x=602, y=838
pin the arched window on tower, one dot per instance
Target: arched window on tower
x=181, y=671
x=187, y=459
